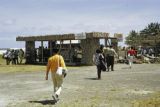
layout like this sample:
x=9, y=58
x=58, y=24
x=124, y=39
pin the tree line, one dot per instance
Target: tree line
x=135, y=38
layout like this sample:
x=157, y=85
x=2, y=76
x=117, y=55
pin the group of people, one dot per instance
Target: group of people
x=104, y=57
x=76, y=54
x=14, y=56
x=56, y=60
x=146, y=51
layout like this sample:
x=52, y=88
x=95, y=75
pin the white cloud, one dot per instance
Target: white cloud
x=8, y=22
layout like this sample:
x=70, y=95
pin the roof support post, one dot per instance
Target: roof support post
x=70, y=56
x=114, y=43
x=50, y=47
x=89, y=47
x=107, y=42
x=42, y=51
x=30, y=52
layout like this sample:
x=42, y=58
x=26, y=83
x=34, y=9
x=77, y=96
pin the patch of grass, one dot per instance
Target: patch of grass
x=153, y=101
x=2, y=61
x=113, y=90
x=23, y=68
x=18, y=68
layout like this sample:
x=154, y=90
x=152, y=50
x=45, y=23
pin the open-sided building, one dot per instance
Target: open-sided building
x=68, y=45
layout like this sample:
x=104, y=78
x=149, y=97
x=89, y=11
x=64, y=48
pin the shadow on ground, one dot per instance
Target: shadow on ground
x=125, y=67
x=44, y=102
x=92, y=78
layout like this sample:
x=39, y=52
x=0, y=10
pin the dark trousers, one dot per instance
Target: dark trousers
x=99, y=71
x=8, y=60
x=110, y=62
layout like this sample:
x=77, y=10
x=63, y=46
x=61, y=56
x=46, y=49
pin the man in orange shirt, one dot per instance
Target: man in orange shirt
x=54, y=62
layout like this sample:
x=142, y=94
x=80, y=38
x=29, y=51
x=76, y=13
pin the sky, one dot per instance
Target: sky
x=40, y=17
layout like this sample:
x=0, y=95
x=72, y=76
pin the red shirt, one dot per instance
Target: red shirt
x=131, y=52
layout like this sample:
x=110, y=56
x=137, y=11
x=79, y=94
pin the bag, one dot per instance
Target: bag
x=103, y=66
x=64, y=72
x=102, y=63
x=95, y=59
x=59, y=71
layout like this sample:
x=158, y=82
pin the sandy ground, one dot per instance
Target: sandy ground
x=123, y=87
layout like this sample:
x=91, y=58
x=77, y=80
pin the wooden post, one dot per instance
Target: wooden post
x=42, y=51
x=50, y=47
x=107, y=42
x=89, y=47
x=70, y=57
x=114, y=43
x=30, y=52
x=60, y=47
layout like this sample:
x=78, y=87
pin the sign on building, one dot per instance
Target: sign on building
x=119, y=37
x=80, y=35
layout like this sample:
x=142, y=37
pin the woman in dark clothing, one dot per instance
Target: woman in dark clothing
x=98, y=59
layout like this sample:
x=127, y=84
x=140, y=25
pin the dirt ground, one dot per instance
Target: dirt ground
x=124, y=87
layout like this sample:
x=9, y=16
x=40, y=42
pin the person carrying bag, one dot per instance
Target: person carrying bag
x=58, y=70
x=98, y=59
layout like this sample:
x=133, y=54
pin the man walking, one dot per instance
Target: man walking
x=53, y=63
x=106, y=54
x=21, y=55
x=110, y=59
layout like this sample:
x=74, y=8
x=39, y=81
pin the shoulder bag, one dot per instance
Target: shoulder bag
x=59, y=69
